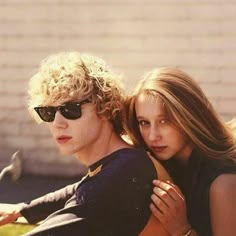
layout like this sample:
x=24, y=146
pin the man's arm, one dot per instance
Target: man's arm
x=115, y=201
x=37, y=209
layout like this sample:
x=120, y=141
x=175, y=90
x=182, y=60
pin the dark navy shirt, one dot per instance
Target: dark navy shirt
x=113, y=199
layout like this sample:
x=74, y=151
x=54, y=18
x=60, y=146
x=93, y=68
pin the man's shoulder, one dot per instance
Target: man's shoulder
x=134, y=155
x=131, y=160
x=131, y=153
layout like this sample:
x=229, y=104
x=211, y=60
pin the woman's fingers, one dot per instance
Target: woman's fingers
x=169, y=207
x=160, y=204
x=156, y=212
x=176, y=188
x=170, y=188
x=161, y=197
x=168, y=199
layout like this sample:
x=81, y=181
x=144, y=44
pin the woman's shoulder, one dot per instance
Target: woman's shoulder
x=224, y=183
x=223, y=188
x=222, y=203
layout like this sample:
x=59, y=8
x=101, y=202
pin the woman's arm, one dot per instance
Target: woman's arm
x=223, y=205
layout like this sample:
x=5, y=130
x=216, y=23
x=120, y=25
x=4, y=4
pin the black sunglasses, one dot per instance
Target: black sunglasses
x=69, y=110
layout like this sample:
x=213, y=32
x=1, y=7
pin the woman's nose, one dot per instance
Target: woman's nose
x=154, y=134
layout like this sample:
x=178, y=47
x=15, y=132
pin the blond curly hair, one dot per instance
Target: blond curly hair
x=71, y=76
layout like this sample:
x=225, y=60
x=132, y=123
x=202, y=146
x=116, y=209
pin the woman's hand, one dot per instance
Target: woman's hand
x=168, y=205
x=9, y=215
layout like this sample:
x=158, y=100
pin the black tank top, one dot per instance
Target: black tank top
x=195, y=183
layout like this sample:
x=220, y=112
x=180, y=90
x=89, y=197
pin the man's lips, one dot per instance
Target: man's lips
x=63, y=139
x=158, y=148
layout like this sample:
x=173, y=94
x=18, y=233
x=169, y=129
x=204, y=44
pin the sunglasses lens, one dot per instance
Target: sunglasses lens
x=47, y=114
x=71, y=111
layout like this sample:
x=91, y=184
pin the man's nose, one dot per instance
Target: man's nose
x=59, y=121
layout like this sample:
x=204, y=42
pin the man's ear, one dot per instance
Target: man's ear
x=103, y=118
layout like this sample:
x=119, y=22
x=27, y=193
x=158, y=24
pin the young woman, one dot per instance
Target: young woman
x=170, y=115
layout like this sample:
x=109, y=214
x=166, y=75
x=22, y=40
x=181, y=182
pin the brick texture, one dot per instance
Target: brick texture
x=132, y=35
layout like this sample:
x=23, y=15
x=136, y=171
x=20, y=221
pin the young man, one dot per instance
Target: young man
x=80, y=100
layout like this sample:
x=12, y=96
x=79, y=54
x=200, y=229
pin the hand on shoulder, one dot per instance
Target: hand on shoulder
x=169, y=207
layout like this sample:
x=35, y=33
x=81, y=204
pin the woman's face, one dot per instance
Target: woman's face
x=159, y=133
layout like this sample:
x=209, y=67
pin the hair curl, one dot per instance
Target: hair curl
x=72, y=76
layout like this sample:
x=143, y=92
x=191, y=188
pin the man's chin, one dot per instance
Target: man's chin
x=66, y=152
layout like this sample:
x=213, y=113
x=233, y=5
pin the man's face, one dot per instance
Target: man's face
x=79, y=136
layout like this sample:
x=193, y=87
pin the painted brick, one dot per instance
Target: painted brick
x=132, y=35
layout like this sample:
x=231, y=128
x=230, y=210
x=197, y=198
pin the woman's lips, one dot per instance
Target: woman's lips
x=158, y=149
x=63, y=139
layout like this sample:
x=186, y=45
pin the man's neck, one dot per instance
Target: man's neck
x=108, y=143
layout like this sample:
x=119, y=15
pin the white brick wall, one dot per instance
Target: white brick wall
x=132, y=35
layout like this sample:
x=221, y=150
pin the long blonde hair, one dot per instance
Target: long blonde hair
x=188, y=108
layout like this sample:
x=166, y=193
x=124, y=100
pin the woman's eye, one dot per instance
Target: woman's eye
x=142, y=122
x=164, y=121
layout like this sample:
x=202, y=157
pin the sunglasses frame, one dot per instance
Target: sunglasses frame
x=61, y=109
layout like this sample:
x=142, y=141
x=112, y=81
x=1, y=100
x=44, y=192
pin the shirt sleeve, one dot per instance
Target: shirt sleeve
x=39, y=208
x=114, y=201
x=110, y=203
